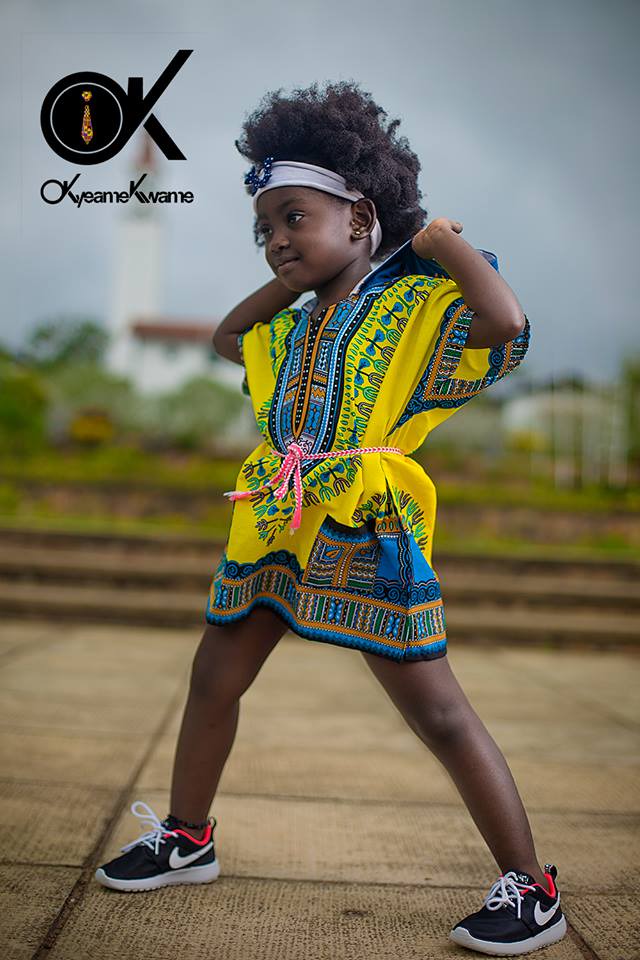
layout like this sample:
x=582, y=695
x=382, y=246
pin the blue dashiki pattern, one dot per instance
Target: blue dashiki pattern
x=382, y=367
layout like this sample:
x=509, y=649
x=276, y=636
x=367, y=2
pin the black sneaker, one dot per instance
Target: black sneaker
x=518, y=916
x=160, y=857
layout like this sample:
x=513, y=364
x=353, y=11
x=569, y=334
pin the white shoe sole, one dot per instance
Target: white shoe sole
x=205, y=874
x=464, y=939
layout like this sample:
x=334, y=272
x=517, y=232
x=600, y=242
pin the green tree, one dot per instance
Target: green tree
x=78, y=388
x=23, y=408
x=64, y=340
x=631, y=381
x=192, y=415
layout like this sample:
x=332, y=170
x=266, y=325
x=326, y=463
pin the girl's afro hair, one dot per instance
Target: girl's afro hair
x=341, y=128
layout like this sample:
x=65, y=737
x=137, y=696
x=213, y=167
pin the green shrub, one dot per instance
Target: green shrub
x=23, y=409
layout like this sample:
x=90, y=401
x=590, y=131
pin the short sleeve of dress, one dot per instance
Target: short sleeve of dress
x=450, y=373
x=262, y=348
x=245, y=385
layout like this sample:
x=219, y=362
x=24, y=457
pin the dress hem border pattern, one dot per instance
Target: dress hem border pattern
x=404, y=651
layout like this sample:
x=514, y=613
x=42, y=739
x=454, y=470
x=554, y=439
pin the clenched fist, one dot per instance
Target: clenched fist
x=425, y=240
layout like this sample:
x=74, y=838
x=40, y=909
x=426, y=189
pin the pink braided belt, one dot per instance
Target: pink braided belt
x=291, y=464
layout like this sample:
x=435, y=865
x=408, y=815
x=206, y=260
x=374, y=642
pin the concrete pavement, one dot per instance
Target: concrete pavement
x=339, y=835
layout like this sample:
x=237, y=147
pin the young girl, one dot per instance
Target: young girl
x=332, y=527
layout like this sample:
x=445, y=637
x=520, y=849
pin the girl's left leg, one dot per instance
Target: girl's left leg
x=434, y=705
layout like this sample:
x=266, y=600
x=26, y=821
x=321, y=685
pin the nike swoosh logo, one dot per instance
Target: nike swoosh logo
x=542, y=916
x=176, y=860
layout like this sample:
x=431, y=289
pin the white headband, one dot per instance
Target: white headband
x=292, y=173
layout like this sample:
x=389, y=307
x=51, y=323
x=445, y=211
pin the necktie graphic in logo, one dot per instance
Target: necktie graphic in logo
x=121, y=112
x=87, y=129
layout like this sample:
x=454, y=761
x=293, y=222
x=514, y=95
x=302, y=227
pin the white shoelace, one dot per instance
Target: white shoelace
x=504, y=890
x=155, y=836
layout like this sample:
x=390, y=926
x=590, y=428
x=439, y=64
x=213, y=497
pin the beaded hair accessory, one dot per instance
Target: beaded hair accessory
x=294, y=173
x=254, y=181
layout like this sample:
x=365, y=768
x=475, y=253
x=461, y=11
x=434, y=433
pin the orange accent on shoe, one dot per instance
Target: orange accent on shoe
x=199, y=840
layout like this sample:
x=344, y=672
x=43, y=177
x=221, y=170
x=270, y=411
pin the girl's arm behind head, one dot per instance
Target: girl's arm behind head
x=258, y=307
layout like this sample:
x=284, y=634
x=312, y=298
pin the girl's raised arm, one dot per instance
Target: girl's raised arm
x=258, y=307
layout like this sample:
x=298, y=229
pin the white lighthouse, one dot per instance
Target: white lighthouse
x=156, y=352
x=139, y=266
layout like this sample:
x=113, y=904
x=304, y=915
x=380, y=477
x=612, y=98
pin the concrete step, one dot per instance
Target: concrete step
x=204, y=548
x=190, y=573
x=538, y=590
x=117, y=568
x=171, y=608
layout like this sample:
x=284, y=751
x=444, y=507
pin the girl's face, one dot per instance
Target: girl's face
x=312, y=230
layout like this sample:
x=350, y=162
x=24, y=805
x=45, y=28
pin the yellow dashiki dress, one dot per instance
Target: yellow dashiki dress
x=381, y=368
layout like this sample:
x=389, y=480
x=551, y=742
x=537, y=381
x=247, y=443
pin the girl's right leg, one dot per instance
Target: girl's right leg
x=225, y=664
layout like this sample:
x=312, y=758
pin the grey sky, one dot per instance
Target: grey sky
x=524, y=116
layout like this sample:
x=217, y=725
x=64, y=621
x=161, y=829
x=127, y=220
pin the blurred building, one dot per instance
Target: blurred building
x=158, y=353
x=583, y=427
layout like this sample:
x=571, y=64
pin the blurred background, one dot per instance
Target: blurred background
x=120, y=428
x=116, y=413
